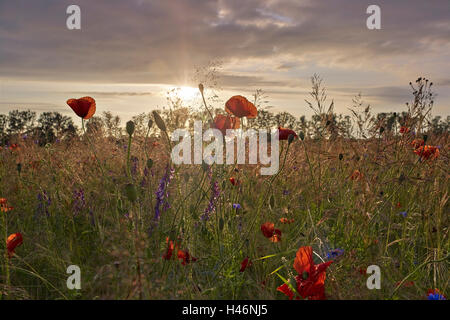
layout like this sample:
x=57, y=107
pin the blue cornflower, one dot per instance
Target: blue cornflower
x=236, y=206
x=404, y=214
x=435, y=295
x=335, y=253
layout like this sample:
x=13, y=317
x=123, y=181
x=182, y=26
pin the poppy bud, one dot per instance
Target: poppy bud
x=150, y=123
x=291, y=138
x=19, y=167
x=159, y=121
x=425, y=138
x=130, y=128
x=131, y=192
x=381, y=130
x=341, y=156
x=149, y=163
x=301, y=135
x=201, y=88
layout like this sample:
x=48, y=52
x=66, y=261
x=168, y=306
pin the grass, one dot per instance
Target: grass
x=72, y=206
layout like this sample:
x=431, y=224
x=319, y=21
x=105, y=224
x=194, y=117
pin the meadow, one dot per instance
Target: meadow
x=140, y=227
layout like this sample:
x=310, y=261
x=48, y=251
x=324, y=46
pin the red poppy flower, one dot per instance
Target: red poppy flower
x=269, y=231
x=234, y=181
x=416, y=143
x=14, y=147
x=223, y=123
x=310, y=281
x=427, y=152
x=404, y=130
x=283, y=133
x=13, y=241
x=170, y=248
x=4, y=205
x=244, y=264
x=286, y=220
x=185, y=257
x=241, y=107
x=83, y=107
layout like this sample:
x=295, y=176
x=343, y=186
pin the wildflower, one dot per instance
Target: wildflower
x=162, y=193
x=269, y=231
x=14, y=147
x=286, y=220
x=185, y=257
x=335, y=253
x=144, y=180
x=215, y=193
x=223, y=123
x=404, y=214
x=4, y=205
x=416, y=143
x=14, y=240
x=236, y=206
x=356, y=175
x=310, y=281
x=234, y=181
x=44, y=202
x=83, y=107
x=427, y=152
x=404, y=130
x=240, y=107
x=170, y=248
x=435, y=295
x=78, y=201
x=283, y=133
x=285, y=192
x=134, y=165
x=245, y=264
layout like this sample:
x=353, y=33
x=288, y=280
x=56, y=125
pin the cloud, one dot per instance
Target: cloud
x=275, y=44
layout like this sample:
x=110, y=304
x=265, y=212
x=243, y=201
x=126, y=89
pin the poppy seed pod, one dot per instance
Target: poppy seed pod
x=131, y=192
x=130, y=127
x=302, y=135
x=201, y=88
x=291, y=138
x=150, y=123
x=159, y=121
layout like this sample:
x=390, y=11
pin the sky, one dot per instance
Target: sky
x=129, y=54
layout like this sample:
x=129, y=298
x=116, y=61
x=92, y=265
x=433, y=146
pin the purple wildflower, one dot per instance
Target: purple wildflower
x=404, y=214
x=215, y=193
x=78, y=201
x=236, y=206
x=162, y=193
x=44, y=202
x=134, y=165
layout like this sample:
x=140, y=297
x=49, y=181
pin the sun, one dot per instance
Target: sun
x=185, y=93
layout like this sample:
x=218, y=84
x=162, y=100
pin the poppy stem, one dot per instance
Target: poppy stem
x=204, y=102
